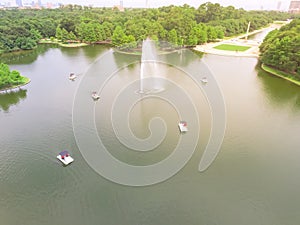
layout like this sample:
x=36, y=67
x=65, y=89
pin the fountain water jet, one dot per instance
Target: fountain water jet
x=148, y=66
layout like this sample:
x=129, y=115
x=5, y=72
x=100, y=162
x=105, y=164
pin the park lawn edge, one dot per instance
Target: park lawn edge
x=73, y=45
x=138, y=53
x=55, y=41
x=25, y=81
x=279, y=73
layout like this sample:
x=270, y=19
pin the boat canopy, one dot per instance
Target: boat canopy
x=64, y=153
x=184, y=123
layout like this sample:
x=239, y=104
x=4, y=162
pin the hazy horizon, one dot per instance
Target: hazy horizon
x=248, y=5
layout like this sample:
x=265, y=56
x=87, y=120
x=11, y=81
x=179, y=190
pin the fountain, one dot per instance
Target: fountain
x=148, y=67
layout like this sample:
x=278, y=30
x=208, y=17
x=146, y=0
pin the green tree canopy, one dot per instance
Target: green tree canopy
x=72, y=22
x=281, y=48
x=9, y=78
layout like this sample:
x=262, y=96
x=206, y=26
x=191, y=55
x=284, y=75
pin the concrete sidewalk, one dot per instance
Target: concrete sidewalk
x=253, y=51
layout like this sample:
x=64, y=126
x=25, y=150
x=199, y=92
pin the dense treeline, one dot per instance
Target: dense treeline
x=281, y=49
x=10, y=78
x=180, y=25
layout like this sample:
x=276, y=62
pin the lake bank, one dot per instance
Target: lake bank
x=26, y=81
x=280, y=74
x=68, y=45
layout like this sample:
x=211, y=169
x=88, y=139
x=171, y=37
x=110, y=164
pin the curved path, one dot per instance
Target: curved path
x=253, y=51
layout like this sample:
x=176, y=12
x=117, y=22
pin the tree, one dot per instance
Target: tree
x=108, y=29
x=98, y=24
x=192, y=38
x=68, y=24
x=9, y=78
x=71, y=36
x=118, y=37
x=281, y=49
x=64, y=35
x=25, y=43
x=58, y=33
x=211, y=33
x=35, y=35
x=172, y=37
x=130, y=42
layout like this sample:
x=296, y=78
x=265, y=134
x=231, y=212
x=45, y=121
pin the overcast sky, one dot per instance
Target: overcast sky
x=246, y=4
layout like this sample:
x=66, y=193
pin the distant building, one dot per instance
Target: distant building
x=19, y=3
x=294, y=6
x=278, y=6
x=119, y=7
x=26, y=3
x=49, y=5
x=10, y=3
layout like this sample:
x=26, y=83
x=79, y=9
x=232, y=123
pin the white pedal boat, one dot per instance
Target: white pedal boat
x=65, y=157
x=183, y=126
x=95, y=96
x=72, y=76
x=204, y=80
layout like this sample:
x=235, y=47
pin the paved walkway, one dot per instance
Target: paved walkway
x=253, y=51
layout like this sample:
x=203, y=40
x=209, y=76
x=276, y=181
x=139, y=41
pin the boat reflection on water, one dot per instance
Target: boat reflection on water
x=10, y=98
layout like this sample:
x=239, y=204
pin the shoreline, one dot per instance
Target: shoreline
x=71, y=45
x=14, y=87
x=140, y=53
x=276, y=73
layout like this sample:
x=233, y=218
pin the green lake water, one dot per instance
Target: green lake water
x=255, y=178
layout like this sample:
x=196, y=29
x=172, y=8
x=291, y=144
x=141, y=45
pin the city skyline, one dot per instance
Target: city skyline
x=294, y=6
x=248, y=5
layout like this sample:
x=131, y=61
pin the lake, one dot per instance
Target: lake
x=254, y=179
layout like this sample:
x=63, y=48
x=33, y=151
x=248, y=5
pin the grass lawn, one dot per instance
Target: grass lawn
x=280, y=22
x=228, y=47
